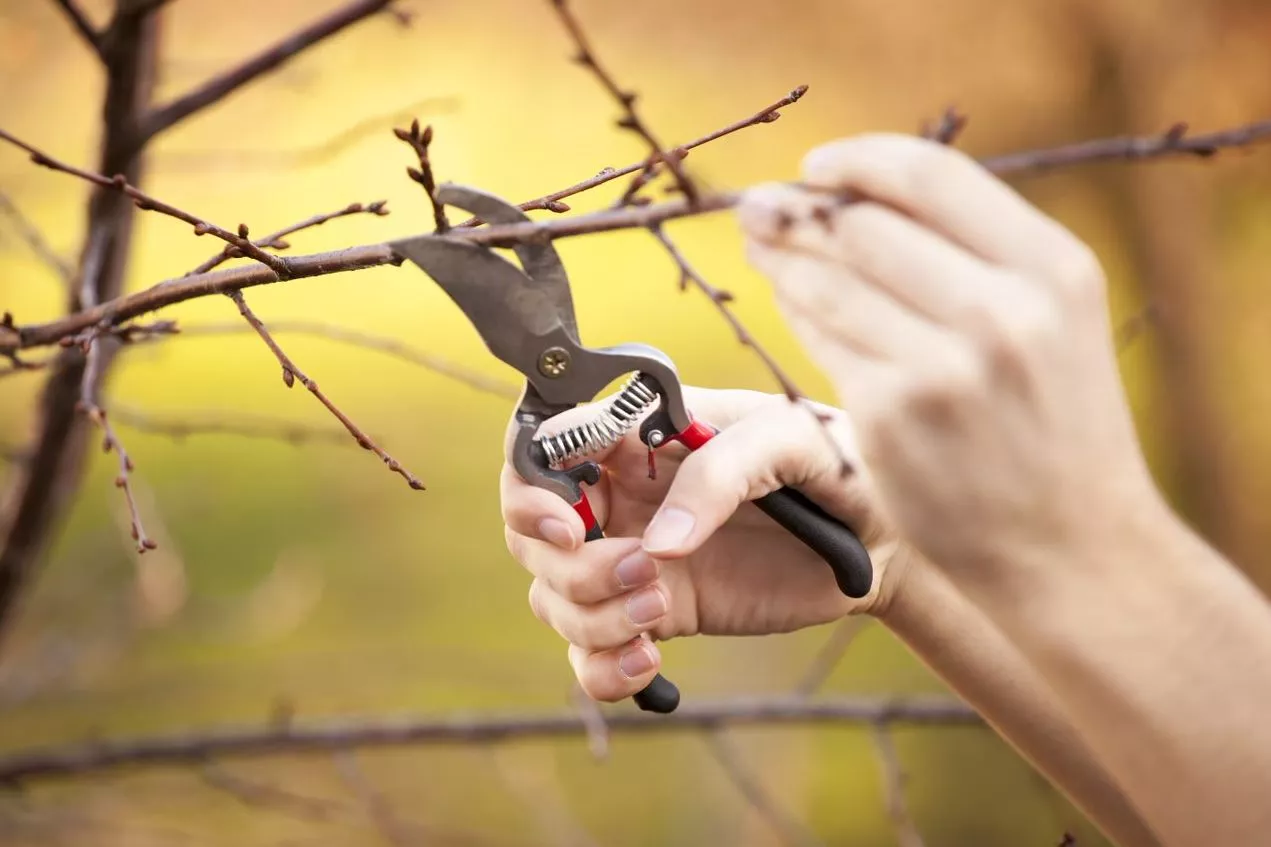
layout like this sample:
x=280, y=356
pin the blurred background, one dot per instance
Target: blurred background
x=305, y=577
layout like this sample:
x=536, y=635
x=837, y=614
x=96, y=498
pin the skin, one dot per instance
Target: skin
x=1020, y=546
x=968, y=336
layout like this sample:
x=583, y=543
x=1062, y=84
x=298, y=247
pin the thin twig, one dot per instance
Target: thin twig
x=324, y=736
x=146, y=202
x=274, y=241
x=593, y=720
x=626, y=99
x=180, y=290
x=303, y=157
x=894, y=787
x=1173, y=142
x=788, y=828
x=217, y=88
x=367, y=341
x=721, y=298
x=1133, y=327
x=110, y=441
x=34, y=239
x=190, y=424
x=290, y=373
x=948, y=128
x=263, y=795
x=378, y=810
x=419, y=141
x=830, y=655
x=552, y=202
x=82, y=25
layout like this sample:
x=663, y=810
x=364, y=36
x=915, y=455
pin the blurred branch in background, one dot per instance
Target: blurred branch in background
x=325, y=736
x=128, y=49
x=34, y=239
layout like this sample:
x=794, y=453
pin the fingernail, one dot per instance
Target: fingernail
x=759, y=216
x=646, y=606
x=556, y=531
x=670, y=528
x=637, y=660
x=638, y=568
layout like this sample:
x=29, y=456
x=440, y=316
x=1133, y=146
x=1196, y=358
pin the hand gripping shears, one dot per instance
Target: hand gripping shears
x=525, y=316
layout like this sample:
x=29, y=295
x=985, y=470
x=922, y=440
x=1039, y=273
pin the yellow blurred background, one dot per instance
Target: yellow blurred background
x=308, y=575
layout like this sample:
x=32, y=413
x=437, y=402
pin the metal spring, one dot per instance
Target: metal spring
x=602, y=431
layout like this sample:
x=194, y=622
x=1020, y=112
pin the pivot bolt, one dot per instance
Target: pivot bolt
x=554, y=362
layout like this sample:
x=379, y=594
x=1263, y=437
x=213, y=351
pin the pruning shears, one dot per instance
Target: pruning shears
x=525, y=316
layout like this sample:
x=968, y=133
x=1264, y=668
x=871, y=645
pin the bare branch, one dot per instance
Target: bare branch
x=80, y=21
x=894, y=788
x=789, y=829
x=419, y=142
x=274, y=241
x=389, y=346
x=202, y=423
x=948, y=128
x=89, y=408
x=325, y=736
x=146, y=202
x=1171, y=143
x=180, y=290
x=830, y=655
x=551, y=202
x=221, y=86
x=262, y=795
x=1133, y=327
x=721, y=298
x=290, y=373
x=378, y=809
x=35, y=240
x=593, y=720
x=304, y=157
x=626, y=99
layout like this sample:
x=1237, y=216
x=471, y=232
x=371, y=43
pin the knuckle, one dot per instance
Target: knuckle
x=537, y=606
x=1079, y=273
x=937, y=396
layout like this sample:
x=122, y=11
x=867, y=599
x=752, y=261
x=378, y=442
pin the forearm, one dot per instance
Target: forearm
x=1160, y=652
x=959, y=643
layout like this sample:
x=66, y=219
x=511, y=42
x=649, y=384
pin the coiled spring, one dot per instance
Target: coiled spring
x=602, y=431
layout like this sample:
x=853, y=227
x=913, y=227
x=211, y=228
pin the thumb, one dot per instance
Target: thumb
x=774, y=446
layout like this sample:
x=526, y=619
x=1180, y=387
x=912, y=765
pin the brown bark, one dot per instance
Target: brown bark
x=43, y=485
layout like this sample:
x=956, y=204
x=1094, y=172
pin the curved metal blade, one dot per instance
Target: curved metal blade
x=541, y=261
x=512, y=314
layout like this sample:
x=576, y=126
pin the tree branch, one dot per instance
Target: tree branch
x=419, y=142
x=290, y=373
x=788, y=828
x=35, y=240
x=212, y=91
x=626, y=99
x=80, y=21
x=274, y=240
x=325, y=736
x=366, y=341
x=145, y=202
x=907, y=834
x=180, y=428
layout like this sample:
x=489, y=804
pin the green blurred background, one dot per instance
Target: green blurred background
x=308, y=575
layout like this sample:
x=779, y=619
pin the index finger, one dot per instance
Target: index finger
x=949, y=191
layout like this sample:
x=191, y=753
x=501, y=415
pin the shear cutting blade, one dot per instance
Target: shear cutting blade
x=514, y=310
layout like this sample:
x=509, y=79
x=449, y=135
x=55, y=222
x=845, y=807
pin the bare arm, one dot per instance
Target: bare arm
x=960, y=644
x=968, y=335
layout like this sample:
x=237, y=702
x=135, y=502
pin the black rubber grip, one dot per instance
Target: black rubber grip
x=832, y=540
x=659, y=696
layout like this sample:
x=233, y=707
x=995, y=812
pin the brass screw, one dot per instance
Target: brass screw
x=553, y=362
